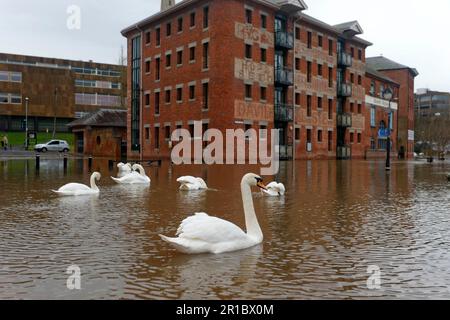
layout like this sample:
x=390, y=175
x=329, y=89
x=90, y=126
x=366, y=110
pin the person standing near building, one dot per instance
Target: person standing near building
x=5, y=142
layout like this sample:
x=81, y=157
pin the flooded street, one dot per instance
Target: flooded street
x=336, y=220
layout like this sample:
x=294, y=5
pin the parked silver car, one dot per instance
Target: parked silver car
x=53, y=145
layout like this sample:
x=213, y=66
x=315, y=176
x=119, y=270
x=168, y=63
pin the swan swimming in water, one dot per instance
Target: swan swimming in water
x=134, y=177
x=204, y=234
x=190, y=183
x=124, y=169
x=275, y=189
x=77, y=189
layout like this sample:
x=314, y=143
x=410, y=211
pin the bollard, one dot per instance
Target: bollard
x=111, y=165
x=65, y=163
x=90, y=163
x=38, y=162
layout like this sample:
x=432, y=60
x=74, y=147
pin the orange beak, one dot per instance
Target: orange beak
x=261, y=185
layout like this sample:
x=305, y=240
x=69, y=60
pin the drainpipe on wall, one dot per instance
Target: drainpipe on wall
x=294, y=148
x=141, y=121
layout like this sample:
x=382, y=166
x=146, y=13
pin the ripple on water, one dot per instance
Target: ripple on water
x=335, y=221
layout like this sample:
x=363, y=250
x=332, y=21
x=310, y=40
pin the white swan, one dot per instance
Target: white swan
x=204, y=234
x=77, y=189
x=275, y=189
x=134, y=177
x=124, y=169
x=190, y=183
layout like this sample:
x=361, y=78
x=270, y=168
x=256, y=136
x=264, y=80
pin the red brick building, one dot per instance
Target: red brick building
x=381, y=114
x=404, y=76
x=101, y=133
x=247, y=64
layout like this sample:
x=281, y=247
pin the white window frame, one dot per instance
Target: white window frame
x=7, y=98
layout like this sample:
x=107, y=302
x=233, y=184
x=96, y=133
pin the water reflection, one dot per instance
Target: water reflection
x=336, y=219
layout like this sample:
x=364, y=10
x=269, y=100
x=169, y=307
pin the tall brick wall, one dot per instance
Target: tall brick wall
x=405, y=78
x=381, y=114
x=230, y=71
x=318, y=87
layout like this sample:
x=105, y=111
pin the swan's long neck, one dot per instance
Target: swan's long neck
x=93, y=184
x=251, y=221
x=141, y=170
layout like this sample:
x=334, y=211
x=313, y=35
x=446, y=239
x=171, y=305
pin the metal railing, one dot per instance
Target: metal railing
x=344, y=152
x=344, y=120
x=284, y=76
x=344, y=59
x=284, y=39
x=284, y=112
x=345, y=90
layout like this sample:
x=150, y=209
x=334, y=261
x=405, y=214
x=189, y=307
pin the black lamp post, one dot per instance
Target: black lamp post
x=388, y=95
x=27, y=100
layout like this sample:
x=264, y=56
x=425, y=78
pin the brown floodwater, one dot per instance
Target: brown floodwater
x=336, y=220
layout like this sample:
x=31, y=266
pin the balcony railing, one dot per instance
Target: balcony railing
x=284, y=112
x=344, y=120
x=344, y=59
x=284, y=76
x=286, y=152
x=344, y=152
x=284, y=40
x=345, y=90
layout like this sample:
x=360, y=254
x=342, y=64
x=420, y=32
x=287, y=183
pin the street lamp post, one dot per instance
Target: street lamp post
x=388, y=95
x=26, y=122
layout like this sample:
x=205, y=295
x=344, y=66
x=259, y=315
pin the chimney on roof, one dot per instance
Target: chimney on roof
x=167, y=4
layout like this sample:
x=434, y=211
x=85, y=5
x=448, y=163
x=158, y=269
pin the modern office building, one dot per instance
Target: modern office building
x=431, y=103
x=247, y=64
x=58, y=88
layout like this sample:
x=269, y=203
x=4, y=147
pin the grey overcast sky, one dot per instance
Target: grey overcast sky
x=412, y=32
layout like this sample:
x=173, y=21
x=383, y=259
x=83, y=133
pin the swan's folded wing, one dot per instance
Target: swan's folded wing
x=276, y=187
x=202, y=227
x=72, y=187
x=187, y=180
x=129, y=178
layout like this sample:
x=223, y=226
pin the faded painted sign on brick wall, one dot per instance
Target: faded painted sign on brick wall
x=316, y=54
x=317, y=85
x=317, y=119
x=250, y=33
x=359, y=93
x=249, y=70
x=245, y=110
x=358, y=121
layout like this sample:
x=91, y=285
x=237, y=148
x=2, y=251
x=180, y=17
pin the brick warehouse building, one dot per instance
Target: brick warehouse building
x=248, y=64
x=65, y=88
x=404, y=76
x=380, y=114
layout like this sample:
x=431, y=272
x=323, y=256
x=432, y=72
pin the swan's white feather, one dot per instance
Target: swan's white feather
x=133, y=178
x=203, y=227
x=191, y=183
x=202, y=233
x=275, y=189
x=187, y=180
x=75, y=189
x=124, y=169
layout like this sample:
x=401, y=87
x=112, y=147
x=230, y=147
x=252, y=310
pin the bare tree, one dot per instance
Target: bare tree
x=433, y=133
